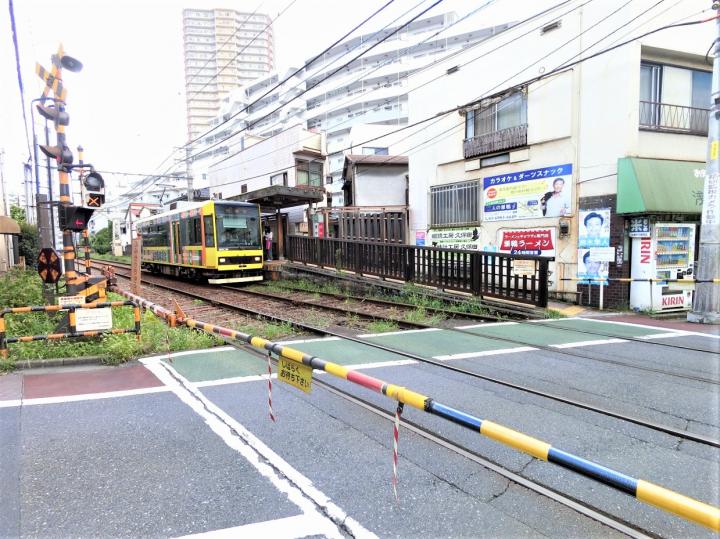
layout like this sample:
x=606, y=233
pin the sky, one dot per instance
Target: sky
x=127, y=106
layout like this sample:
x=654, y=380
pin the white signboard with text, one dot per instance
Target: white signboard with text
x=93, y=319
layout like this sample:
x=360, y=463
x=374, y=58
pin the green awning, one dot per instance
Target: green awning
x=659, y=186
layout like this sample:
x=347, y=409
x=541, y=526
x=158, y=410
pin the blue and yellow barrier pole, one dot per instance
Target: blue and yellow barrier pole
x=665, y=499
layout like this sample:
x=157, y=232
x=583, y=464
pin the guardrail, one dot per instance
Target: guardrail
x=665, y=499
x=72, y=323
x=480, y=273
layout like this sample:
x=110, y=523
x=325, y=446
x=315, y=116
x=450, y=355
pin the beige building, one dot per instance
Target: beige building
x=224, y=49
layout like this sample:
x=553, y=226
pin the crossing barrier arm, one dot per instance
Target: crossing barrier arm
x=665, y=499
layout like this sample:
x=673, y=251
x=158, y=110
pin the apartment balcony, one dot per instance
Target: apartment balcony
x=673, y=118
x=504, y=139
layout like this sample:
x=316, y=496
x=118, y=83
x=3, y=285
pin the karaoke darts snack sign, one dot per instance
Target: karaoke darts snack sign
x=529, y=194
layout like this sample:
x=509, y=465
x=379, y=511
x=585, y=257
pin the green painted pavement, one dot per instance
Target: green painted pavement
x=531, y=334
x=439, y=343
x=206, y=365
x=344, y=352
x=604, y=328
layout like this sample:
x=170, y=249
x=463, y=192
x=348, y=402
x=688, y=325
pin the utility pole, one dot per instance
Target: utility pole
x=706, y=303
x=188, y=172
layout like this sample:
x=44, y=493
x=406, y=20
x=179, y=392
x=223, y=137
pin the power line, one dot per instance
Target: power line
x=516, y=86
x=307, y=64
x=19, y=74
x=307, y=89
x=215, y=76
x=192, y=78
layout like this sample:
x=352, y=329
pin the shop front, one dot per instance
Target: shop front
x=661, y=201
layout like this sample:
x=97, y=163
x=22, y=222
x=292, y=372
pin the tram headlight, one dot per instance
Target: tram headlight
x=222, y=260
x=258, y=259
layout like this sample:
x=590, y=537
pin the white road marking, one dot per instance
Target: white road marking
x=587, y=343
x=302, y=341
x=407, y=331
x=646, y=326
x=665, y=335
x=298, y=488
x=83, y=397
x=468, y=355
x=298, y=526
x=488, y=325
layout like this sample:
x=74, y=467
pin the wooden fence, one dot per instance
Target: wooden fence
x=480, y=273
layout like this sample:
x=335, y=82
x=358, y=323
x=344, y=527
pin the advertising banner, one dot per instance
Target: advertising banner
x=594, y=228
x=527, y=241
x=529, y=194
x=463, y=238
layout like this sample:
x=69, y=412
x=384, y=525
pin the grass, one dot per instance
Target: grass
x=198, y=302
x=419, y=315
x=22, y=288
x=382, y=326
x=112, y=258
x=554, y=314
x=268, y=330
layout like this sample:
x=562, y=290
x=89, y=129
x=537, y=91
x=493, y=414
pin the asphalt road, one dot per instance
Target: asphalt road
x=184, y=445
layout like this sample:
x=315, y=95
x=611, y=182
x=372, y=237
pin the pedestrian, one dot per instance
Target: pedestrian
x=268, y=242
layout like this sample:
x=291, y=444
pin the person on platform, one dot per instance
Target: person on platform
x=268, y=243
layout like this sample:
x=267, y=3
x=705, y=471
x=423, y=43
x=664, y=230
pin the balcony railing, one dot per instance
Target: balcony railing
x=504, y=139
x=673, y=118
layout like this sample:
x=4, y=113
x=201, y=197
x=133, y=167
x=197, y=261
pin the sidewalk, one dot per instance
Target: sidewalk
x=680, y=323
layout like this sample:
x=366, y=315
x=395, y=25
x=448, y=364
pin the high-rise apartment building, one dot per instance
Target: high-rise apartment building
x=224, y=49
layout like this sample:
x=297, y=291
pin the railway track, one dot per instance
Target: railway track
x=385, y=312
x=193, y=291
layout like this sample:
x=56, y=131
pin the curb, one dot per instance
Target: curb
x=57, y=362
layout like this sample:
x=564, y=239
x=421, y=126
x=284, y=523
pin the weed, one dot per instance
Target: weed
x=198, y=302
x=420, y=316
x=554, y=314
x=318, y=319
x=382, y=326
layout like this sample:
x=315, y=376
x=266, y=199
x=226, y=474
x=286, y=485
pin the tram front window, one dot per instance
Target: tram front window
x=238, y=227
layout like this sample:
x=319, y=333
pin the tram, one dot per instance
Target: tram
x=219, y=241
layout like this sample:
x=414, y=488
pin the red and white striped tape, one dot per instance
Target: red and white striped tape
x=272, y=416
x=396, y=429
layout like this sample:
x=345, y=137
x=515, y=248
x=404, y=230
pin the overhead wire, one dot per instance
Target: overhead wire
x=308, y=63
x=556, y=70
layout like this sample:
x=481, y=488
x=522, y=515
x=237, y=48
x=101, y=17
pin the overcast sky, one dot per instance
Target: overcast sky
x=127, y=105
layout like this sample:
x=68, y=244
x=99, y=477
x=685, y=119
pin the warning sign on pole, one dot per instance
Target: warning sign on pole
x=295, y=374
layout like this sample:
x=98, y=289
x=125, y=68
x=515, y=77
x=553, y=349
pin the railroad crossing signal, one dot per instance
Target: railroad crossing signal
x=49, y=265
x=74, y=218
x=95, y=190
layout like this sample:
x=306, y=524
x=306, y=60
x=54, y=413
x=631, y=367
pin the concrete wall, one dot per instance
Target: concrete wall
x=382, y=185
x=251, y=167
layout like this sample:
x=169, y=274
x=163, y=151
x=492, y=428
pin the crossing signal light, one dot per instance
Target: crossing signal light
x=67, y=62
x=63, y=154
x=75, y=218
x=54, y=114
x=94, y=189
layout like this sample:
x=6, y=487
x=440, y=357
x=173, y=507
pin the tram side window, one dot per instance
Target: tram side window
x=195, y=231
x=209, y=238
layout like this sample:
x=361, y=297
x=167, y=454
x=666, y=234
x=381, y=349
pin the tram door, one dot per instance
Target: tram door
x=177, y=249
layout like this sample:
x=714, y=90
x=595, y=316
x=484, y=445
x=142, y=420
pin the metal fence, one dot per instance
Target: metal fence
x=673, y=118
x=480, y=273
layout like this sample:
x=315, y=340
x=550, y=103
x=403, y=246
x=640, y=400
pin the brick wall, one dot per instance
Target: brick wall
x=616, y=294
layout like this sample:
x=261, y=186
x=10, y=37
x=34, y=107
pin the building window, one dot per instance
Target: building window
x=674, y=99
x=370, y=150
x=454, y=204
x=504, y=114
x=243, y=188
x=499, y=124
x=498, y=159
x=309, y=173
x=279, y=179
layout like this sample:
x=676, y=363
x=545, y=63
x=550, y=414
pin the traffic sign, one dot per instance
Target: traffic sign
x=49, y=267
x=51, y=81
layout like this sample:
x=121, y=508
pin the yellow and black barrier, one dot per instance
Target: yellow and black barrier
x=665, y=499
x=72, y=323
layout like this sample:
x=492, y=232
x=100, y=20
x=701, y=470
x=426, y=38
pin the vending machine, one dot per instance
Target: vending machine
x=664, y=251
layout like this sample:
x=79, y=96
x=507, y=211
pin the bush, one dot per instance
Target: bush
x=102, y=241
x=29, y=244
x=19, y=288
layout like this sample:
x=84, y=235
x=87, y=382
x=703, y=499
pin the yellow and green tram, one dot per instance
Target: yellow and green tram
x=220, y=241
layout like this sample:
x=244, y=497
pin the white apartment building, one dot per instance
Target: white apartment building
x=617, y=142
x=224, y=49
x=366, y=99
